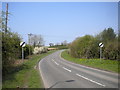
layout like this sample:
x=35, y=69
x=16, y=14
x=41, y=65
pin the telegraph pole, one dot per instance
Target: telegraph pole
x=6, y=22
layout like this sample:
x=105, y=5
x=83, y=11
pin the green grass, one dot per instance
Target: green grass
x=26, y=76
x=109, y=65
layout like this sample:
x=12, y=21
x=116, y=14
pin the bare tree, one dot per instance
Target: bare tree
x=37, y=40
x=51, y=44
x=64, y=43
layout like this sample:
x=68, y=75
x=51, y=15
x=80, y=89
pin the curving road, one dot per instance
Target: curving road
x=59, y=73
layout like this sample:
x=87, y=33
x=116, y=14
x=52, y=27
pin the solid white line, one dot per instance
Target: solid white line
x=67, y=69
x=90, y=80
x=43, y=79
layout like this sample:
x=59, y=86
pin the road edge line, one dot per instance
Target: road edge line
x=45, y=86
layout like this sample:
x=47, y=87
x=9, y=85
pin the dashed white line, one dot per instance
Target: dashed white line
x=86, y=66
x=90, y=80
x=52, y=59
x=67, y=69
x=80, y=75
x=56, y=63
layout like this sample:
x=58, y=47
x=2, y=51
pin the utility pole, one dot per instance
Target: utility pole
x=6, y=22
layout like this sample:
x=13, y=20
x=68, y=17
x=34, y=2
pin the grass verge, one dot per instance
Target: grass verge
x=26, y=75
x=109, y=65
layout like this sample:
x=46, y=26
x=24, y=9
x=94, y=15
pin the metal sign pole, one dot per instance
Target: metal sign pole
x=100, y=52
x=22, y=54
x=101, y=45
x=22, y=44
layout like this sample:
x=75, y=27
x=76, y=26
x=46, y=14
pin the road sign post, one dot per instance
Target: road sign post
x=22, y=44
x=22, y=53
x=101, y=45
x=100, y=52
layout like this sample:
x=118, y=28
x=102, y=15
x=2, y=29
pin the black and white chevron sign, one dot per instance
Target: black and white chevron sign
x=22, y=44
x=101, y=44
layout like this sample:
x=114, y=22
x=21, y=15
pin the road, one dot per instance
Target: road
x=59, y=73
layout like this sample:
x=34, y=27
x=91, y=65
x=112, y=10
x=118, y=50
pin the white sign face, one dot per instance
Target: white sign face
x=101, y=44
x=22, y=44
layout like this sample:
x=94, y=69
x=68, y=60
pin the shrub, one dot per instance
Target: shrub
x=10, y=49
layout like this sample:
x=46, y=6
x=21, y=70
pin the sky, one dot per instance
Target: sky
x=59, y=21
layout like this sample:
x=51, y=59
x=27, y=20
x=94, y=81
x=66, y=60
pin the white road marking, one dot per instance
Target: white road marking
x=90, y=80
x=45, y=83
x=67, y=69
x=86, y=66
x=56, y=63
x=52, y=59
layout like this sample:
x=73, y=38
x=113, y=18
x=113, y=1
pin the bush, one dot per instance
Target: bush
x=28, y=50
x=10, y=50
x=111, y=50
x=83, y=47
x=59, y=46
x=87, y=46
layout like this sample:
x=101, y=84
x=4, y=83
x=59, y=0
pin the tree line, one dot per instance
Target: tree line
x=88, y=45
x=62, y=45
